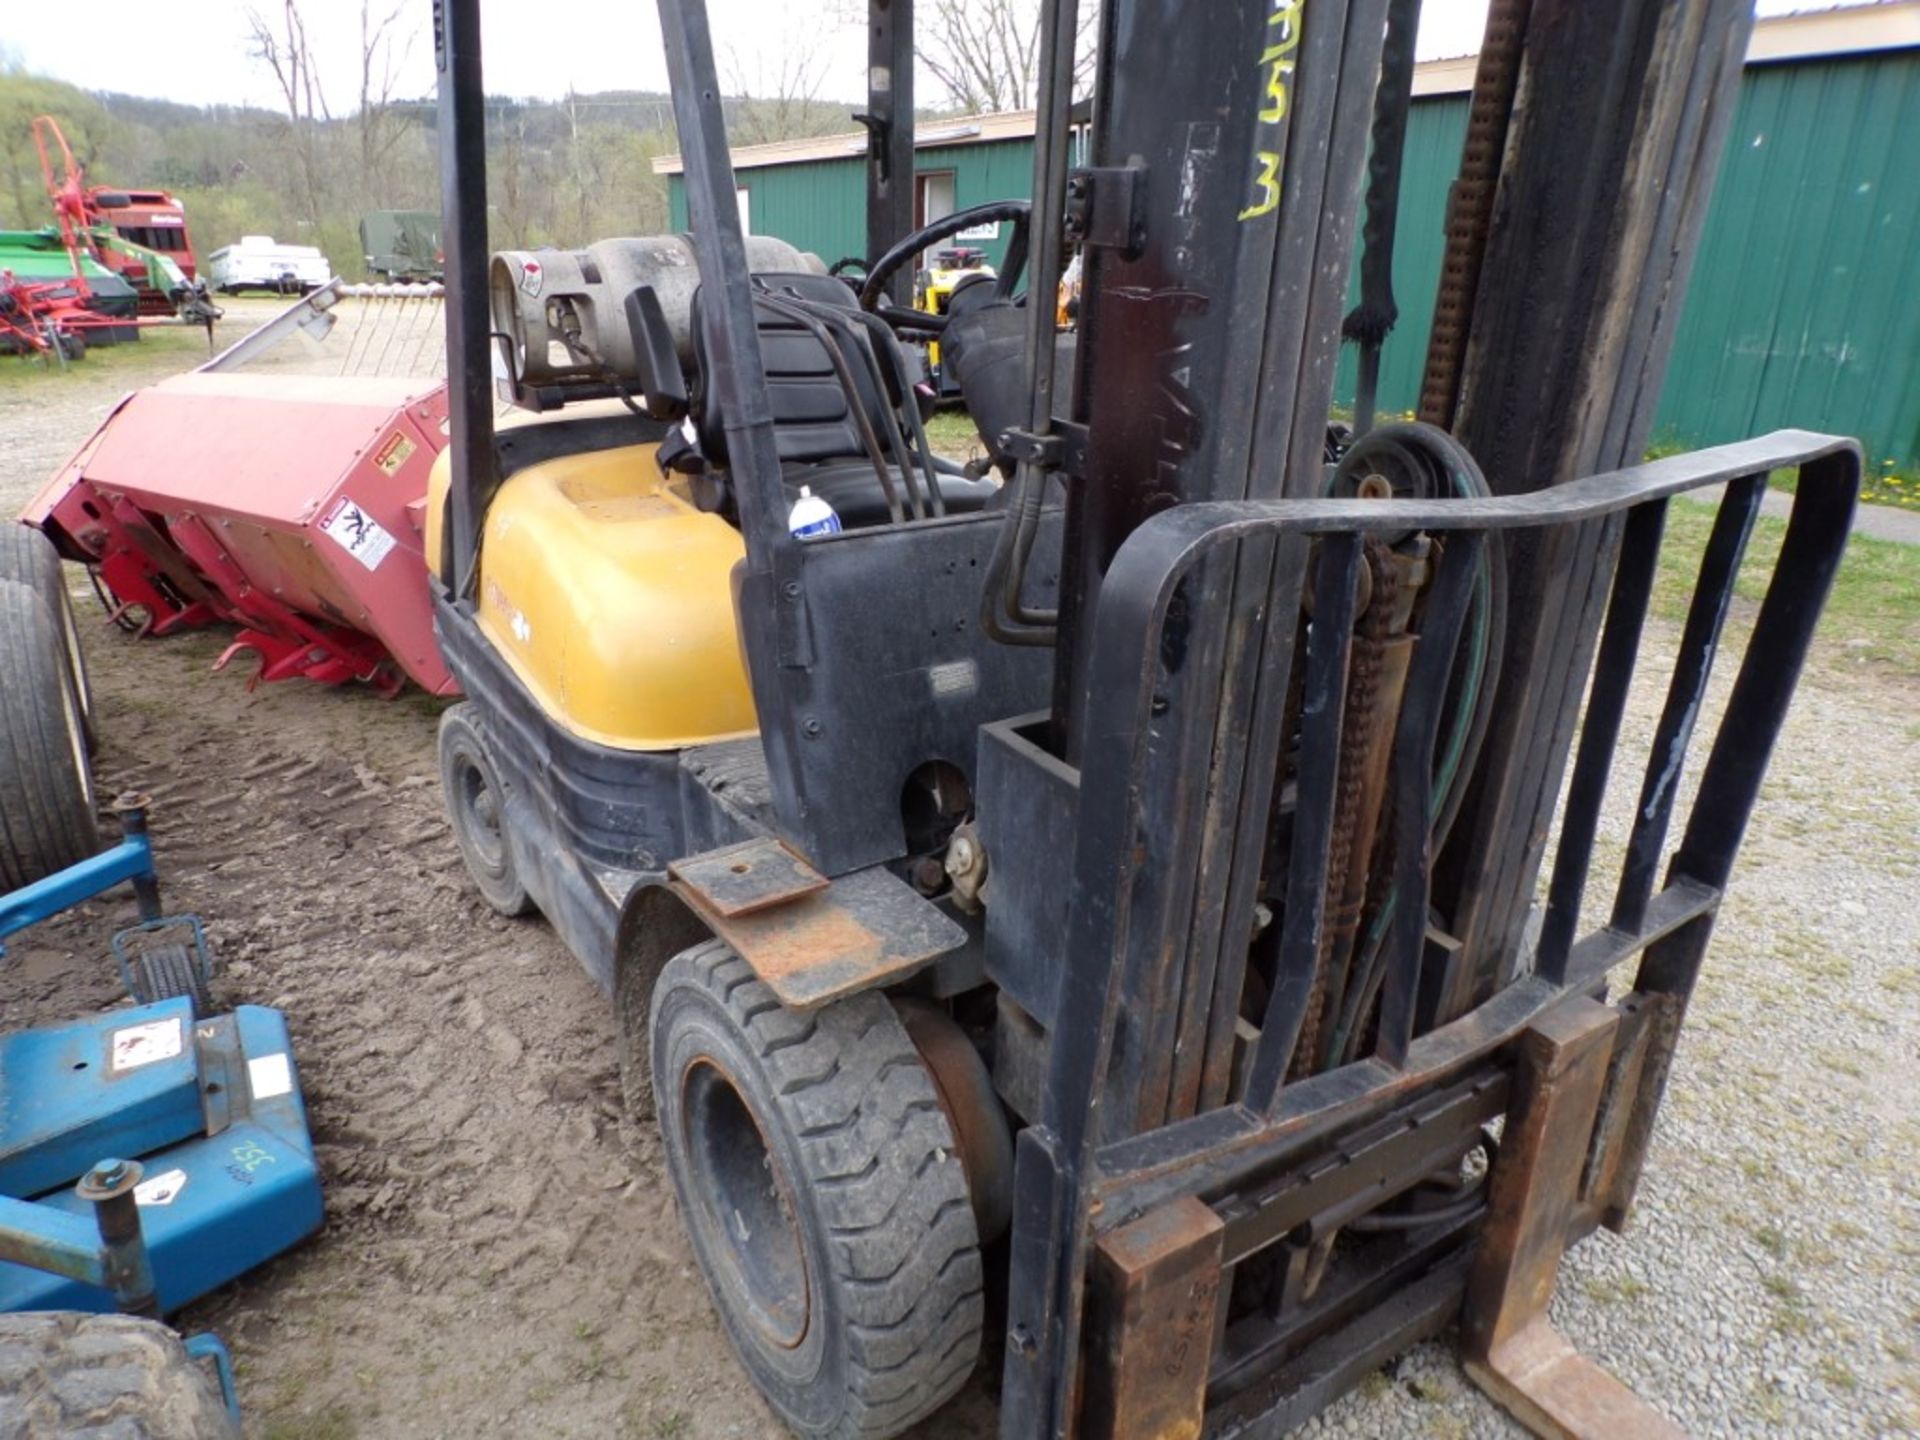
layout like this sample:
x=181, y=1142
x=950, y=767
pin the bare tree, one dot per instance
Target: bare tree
x=986, y=53
x=281, y=45
x=383, y=51
x=781, y=100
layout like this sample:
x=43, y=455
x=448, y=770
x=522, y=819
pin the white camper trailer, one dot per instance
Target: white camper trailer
x=259, y=262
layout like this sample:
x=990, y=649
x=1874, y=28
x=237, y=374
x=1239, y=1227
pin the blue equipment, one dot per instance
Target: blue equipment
x=211, y=1104
x=130, y=860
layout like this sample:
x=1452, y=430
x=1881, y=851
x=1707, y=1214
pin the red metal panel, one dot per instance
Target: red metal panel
x=291, y=506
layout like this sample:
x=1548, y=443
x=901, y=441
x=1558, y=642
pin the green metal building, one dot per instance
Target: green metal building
x=1804, y=307
x=812, y=193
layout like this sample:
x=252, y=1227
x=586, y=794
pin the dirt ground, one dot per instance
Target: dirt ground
x=501, y=1255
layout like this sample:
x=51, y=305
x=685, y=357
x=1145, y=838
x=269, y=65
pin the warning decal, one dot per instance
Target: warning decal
x=393, y=454
x=358, y=533
x=144, y=1044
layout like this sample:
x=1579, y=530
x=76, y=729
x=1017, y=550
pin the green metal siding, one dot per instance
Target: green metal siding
x=1804, y=307
x=1805, y=302
x=1436, y=131
x=820, y=205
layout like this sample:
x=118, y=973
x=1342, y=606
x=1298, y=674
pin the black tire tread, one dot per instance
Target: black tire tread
x=170, y=972
x=29, y=557
x=506, y=893
x=84, y=1376
x=735, y=772
x=46, y=815
x=888, y=1183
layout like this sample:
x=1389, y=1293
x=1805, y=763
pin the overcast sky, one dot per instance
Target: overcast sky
x=531, y=50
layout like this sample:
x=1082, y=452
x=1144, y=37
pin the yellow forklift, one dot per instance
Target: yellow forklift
x=933, y=290
x=1083, y=915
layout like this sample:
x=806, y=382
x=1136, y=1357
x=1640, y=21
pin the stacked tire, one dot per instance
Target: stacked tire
x=46, y=712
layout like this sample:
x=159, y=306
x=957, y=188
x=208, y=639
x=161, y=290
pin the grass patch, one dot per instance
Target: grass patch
x=1880, y=484
x=332, y=1423
x=1791, y=1315
x=1615, y=1290
x=951, y=433
x=1837, y=1375
x=1873, y=613
x=161, y=349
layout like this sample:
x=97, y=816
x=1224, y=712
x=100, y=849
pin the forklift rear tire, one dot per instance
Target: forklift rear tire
x=46, y=782
x=476, y=804
x=90, y=1377
x=824, y=1195
x=28, y=556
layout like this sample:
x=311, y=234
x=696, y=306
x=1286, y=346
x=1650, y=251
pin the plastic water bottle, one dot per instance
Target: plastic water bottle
x=812, y=516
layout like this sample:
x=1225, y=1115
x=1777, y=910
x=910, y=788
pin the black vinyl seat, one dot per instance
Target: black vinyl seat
x=816, y=430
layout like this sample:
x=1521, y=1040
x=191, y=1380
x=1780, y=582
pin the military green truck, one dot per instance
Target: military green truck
x=402, y=245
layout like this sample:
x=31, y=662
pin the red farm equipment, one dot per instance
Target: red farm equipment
x=139, y=235
x=288, y=505
x=42, y=318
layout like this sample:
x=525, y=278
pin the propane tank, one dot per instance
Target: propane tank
x=558, y=308
x=812, y=516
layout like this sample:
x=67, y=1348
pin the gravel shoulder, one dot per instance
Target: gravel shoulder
x=501, y=1256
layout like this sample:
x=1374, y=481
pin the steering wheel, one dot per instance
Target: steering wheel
x=873, y=293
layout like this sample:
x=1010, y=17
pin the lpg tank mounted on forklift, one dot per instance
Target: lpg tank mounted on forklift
x=1084, y=914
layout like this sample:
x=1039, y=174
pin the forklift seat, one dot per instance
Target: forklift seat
x=816, y=430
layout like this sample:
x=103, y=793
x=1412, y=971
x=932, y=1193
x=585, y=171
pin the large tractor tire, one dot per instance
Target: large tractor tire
x=824, y=1194
x=28, y=557
x=103, y=1377
x=477, y=806
x=46, y=781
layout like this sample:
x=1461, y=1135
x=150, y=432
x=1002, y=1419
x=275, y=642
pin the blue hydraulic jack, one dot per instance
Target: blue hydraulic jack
x=211, y=1104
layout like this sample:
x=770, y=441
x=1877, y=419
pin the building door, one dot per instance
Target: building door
x=932, y=197
x=932, y=200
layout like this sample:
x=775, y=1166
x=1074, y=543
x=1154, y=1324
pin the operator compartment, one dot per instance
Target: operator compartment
x=628, y=319
x=608, y=552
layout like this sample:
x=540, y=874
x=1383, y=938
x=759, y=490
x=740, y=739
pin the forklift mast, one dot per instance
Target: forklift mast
x=1262, y=756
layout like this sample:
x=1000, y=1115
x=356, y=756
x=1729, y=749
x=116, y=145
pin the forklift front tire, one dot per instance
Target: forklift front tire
x=824, y=1195
x=476, y=805
x=84, y=1376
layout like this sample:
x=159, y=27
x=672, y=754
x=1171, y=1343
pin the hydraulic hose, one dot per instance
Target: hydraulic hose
x=1479, y=673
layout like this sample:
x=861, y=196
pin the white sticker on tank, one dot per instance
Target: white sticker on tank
x=160, y=1189
x=358, y=533
x=270, y=1076
x=955, y=678
x=146, y=1044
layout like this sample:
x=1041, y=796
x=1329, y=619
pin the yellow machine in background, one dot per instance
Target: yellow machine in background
x=933, y=291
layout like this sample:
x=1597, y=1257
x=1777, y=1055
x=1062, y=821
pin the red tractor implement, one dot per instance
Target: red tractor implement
x=139, y=235
x=291, y=506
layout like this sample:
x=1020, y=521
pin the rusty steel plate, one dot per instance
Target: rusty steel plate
x=854, y=933
x=743, y=878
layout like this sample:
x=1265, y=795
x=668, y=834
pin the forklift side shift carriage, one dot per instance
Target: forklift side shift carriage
x=1109, y=868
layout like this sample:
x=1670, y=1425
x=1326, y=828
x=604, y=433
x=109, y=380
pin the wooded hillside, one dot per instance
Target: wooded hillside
x=560, y=171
